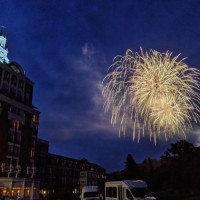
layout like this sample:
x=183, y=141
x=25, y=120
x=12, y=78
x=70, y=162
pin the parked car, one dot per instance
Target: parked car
x=90, y=193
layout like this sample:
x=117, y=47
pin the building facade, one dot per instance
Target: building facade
x=41, y=162
x=24, y=158
x=19, y=119
x=58, y=173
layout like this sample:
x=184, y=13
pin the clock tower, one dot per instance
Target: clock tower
x=3, y=51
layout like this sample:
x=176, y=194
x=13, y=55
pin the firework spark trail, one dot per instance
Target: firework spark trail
x=152, y=91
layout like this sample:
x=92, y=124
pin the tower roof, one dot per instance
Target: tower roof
x=3, y=50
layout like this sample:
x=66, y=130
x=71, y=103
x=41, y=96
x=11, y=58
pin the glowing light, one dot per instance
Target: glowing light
x=44, y=192
x=152, y=92
x=3, y=51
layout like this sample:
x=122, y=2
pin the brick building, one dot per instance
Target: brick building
x=19, y=120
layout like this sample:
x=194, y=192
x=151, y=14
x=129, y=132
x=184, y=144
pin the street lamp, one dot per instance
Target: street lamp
x=10, y=169
x=31, y=171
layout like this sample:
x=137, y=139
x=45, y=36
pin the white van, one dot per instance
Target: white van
x=90, y=193
x=127, y=190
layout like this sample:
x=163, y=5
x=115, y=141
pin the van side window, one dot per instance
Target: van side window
x=128, y=195
x=114, y=192
x=111, y=192
x=107, y=192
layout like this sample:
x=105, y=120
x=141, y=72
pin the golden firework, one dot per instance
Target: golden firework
x=152, y=92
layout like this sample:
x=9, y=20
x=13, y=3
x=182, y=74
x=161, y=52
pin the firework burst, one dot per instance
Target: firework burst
x=152, y=92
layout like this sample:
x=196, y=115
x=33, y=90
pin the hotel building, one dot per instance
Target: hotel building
x=19, y=121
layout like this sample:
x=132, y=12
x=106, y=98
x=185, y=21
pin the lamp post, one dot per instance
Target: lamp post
x=31, y=171
x=18, y=170
x=10, y=169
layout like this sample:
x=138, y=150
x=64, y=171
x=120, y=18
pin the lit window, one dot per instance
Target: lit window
x=34, y=118
x=17, y=125
x=32, y=154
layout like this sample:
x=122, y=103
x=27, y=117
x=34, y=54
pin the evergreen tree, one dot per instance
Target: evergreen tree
x=131, y=168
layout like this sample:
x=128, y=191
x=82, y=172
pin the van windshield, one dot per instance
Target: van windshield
x=90, y=194
x=141, y=192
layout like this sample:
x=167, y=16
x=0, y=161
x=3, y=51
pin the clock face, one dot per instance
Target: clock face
x=15, y=68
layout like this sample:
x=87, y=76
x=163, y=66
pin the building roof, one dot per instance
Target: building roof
x=43, y=141
x=72, y=159
x=17, y=68
x=135, y=183
x=129, y=183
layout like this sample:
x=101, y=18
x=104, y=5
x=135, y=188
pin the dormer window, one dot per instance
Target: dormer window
x=15, y=68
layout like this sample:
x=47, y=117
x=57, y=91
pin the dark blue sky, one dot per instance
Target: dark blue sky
x=65, y=47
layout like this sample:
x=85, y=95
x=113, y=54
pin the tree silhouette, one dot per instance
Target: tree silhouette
x=131, y=168
x=180, y=148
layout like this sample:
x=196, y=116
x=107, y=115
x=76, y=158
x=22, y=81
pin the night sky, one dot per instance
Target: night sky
x=66, y=46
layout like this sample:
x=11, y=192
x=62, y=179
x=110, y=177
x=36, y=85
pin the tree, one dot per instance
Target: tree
x=180, y=148
x=131, y=168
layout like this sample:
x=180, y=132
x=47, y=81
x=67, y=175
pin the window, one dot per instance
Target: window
x=35, y=118
x=8, y=161
x=21, y=84
x=12, y=123
x=32, y=154
x=19, y=95
x=107, y=192
x=6, y=81
x=83, y=174
x=17, y=125
x=18, y=138
x=0, y=74
x=141, y=192
x=14, y=162
x=17, y=150
x=10, y=137
x=13, y=109
x=20, y=112
x=129, y=195
x=28, y=93
x=27, y=97
x=90, y=194
x=7, y=76
x=10, y=148
x=33, y=142
x=114, y=192
x=28, y=88
x=111, y=192
x=14, y=80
